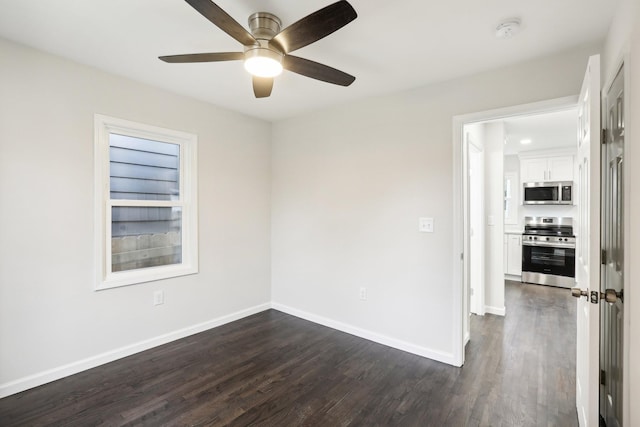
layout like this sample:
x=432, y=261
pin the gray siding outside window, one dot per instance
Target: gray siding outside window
x=141, y=169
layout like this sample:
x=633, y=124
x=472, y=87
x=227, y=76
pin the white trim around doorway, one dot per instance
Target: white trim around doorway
x=459, y=250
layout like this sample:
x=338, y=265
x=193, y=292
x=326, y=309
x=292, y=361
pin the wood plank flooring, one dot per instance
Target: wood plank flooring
x=272, y=369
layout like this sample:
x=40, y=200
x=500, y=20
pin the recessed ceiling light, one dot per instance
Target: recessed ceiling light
x=508, y=28
x=525, y=141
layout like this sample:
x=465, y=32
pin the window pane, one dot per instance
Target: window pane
x=142, y=169
x=145, y=237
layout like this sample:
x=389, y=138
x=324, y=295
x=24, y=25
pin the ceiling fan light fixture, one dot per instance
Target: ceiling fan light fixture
x=263, y=62
x=267, y=49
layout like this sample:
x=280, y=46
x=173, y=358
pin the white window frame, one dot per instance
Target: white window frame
x=105, y=278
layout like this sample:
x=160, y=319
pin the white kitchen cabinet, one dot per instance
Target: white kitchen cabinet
x=534, y=170
x=513, y=262
x=541, y=169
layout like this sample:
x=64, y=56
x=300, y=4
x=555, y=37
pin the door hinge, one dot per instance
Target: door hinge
x=603, y=377
x=603, y=136
x=603, y=257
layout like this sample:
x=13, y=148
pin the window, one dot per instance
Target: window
x=146, y=202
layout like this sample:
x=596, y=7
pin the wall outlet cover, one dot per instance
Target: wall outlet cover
x=158, y=297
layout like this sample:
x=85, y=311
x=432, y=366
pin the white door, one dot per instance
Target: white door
x=588, y=246
x=612, y=286
x=476, y=223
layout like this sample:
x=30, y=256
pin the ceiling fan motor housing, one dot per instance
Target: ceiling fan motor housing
x=264, y=25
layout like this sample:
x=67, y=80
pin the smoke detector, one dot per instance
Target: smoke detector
x=508, y=28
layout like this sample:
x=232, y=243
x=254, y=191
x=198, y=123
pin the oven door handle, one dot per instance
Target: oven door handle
x=549, y=244
x=544, y=258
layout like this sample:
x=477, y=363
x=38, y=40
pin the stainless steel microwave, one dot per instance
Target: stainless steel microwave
x=548, y=193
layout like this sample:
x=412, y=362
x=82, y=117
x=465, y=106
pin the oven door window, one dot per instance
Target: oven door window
x=546, y=260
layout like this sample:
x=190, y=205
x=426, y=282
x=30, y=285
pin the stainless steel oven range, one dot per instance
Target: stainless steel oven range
x=549, y=251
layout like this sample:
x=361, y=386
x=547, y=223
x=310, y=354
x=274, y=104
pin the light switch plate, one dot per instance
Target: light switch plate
x=425, y=225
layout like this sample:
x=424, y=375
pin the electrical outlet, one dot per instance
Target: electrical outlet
x=363, y=293
x=158, y=297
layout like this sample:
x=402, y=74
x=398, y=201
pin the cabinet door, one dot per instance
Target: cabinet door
x=561, y=168
x=534, y=170
x=514, y=259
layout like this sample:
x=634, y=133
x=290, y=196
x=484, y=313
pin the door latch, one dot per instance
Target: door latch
x=609, y=295
x=577, y=292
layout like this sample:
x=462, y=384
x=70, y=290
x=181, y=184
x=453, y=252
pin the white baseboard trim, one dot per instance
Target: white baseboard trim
x=500, y=311
x=439, y=356
x=47, y=376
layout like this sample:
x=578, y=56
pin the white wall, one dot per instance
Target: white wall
x=494, y=217
x=624, y=42
x=349, y=184
x=512, y=163
x=49, y=314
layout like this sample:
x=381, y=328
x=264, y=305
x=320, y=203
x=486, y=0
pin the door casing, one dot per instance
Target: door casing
x=460, y=248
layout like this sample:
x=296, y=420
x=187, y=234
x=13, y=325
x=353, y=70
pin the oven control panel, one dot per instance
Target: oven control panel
x=549, y=238
x=559, y=241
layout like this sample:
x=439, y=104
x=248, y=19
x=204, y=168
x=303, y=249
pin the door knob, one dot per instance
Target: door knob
x=611, y=296
x=577, y=292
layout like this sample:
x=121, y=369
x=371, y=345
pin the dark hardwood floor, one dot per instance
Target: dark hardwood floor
x=272, y=369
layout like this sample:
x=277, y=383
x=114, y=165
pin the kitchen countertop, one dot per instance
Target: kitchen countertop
x=512, y=230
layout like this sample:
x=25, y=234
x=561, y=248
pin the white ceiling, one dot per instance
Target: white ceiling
x=546, y=131
x=391, y=46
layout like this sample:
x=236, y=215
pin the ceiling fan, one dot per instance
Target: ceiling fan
x=267, y=49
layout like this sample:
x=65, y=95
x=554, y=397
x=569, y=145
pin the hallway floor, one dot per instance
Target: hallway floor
x=524, y=364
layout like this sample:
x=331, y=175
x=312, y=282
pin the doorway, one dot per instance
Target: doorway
x=494, y=151
x=493, y=218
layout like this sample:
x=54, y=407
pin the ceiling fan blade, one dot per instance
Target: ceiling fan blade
x=262, y=86
x=222, y=20
x=314, y=27
x=316, y=70
x=203, y=57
